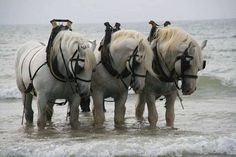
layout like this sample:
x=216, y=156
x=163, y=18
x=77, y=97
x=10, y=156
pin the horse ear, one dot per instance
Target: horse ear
x=203, y=45
x=94, y=44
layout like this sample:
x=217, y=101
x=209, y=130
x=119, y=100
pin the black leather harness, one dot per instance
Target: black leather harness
x=106, y=58
x=53, y=64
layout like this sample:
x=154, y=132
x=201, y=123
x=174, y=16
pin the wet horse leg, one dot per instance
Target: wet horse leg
x=74, y=102
x=119, y=116
x=170, y=108
x=29, y=113
x=152, y=112
x=140, y=106
x=42, y=105
x=98, y=113
x=49, y=111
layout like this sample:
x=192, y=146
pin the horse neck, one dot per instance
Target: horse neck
x=169, y=58
x=119, y=59
x=60, y=62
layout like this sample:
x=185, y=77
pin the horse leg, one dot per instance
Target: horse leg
x=120, y=110
x=74, y=110
x=42, y=106
x=98, y=113
x=152, y=112
x=49, y=111
x=140, y=106
x=29, y=113
x=170, y=109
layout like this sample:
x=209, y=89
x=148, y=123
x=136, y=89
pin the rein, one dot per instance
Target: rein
x=160, y=67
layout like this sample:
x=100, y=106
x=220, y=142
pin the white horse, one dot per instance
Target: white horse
x=128, y=49
x=178, y=57
x=74, y=59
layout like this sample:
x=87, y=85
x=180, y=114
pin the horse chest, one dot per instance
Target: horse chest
x=103, y=82
x=158, y=87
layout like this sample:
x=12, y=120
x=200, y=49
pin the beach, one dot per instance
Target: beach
x=205, y=127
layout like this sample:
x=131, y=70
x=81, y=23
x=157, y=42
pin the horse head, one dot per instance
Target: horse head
x=135, y=65
x=180, y=57
x=77, y=60
x=136, y=54
x=187, y=65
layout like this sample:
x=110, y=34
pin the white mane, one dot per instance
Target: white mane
x=69, y=42
x=169, y=41
x=130, y=34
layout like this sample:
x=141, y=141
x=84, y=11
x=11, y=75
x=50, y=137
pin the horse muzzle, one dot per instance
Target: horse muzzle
x=137, y=86
x=188, y=91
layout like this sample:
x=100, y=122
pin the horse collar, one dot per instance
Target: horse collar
x=160, y=67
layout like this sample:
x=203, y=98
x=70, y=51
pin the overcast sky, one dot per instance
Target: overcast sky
x=98, y=11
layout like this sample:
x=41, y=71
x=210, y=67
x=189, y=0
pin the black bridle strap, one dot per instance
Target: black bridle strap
x=190, y=76
x=132, y=67
x=67, y=70
x=161, y=68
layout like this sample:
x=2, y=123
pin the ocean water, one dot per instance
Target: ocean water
x=206, y=126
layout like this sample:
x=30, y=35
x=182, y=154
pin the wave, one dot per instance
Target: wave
x=205, y=84
x=219, y=37
x=9, y=93
x=226, y=50
x=143, y=146
x=234, y=36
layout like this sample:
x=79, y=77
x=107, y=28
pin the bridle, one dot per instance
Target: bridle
x=185, y=60
x=133, y=64
x=77, y=69
x=166, y=75
x=106, y=58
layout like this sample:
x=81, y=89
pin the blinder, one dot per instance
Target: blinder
x=78, y=67
x=183, y=63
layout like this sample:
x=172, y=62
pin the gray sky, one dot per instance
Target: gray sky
x=98, y=11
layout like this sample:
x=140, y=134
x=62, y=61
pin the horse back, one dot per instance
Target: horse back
x=28, y=55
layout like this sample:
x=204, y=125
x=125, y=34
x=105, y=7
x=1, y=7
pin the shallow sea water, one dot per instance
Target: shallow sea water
x=206, y=127
x=197, y=132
